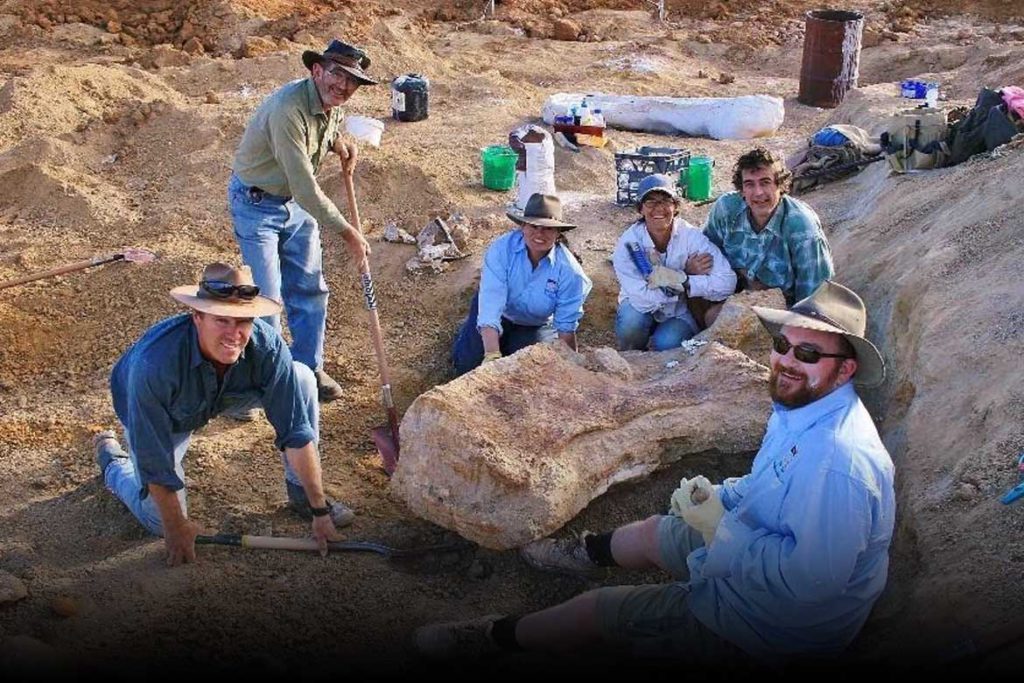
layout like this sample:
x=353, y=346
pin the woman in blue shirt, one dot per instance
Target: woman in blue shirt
x=532, y=288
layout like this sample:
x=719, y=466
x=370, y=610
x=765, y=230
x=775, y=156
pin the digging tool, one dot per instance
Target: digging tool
x=292, y=543
x=387, y=443
x=129, y=255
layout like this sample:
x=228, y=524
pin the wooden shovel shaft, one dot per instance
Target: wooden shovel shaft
x=309, y=544
x=292, y=543
x=70, y=268
x=371, y=306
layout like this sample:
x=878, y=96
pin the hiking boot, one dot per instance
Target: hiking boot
x=562, y=556
x=327, y=389
x=341, y=514
x=457, y=639
x=242, y=414
x=107, y=448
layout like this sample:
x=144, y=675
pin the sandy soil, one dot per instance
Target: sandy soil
x=118, y=122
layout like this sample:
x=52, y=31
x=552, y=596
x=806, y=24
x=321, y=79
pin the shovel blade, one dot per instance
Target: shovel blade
x=386, y=446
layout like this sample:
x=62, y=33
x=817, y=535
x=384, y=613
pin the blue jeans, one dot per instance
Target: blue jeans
x=122, y=478
x=635, y=330
x=468, y=349
x=280, y=241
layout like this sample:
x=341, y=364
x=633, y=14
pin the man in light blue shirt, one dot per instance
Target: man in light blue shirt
x=532, y=288
x=784, y=562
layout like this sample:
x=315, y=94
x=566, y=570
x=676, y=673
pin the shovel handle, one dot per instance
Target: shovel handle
x=291, y=543
x=371, y=306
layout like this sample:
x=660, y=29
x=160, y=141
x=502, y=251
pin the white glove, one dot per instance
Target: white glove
x=699, y=505
x=666, y=278
x=681, y=497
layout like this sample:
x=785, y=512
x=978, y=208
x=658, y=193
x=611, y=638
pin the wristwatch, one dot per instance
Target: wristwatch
x=320, y=512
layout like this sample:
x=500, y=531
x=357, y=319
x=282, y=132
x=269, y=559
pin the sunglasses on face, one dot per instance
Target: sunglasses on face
x=804, y=354
x=226, y=290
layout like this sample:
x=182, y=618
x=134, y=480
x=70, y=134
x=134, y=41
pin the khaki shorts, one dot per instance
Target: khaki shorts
x=655, y=620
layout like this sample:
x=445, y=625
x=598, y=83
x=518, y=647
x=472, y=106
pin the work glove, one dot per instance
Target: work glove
x=697, y=502
x=668, y=279
x=491, y=355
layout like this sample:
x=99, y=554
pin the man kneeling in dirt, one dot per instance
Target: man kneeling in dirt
x=187, y=369
x=785, y=561
x=769, y=238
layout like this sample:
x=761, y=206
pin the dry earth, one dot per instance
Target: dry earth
x=118, y=122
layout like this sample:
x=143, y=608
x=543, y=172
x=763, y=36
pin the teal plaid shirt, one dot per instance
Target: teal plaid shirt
x=791, y=253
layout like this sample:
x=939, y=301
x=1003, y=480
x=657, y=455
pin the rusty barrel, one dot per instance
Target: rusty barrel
x=831, y=56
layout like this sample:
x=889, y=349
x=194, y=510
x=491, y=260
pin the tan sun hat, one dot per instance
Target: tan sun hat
x=226, y=291
x=832, y=308
x=542, y=209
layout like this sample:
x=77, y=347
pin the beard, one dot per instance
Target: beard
x=796, y=394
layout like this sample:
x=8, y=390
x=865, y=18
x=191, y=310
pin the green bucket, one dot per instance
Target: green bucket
x=698, y=185
x=499, y=162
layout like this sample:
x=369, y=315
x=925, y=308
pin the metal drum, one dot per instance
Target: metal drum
x=831, y=56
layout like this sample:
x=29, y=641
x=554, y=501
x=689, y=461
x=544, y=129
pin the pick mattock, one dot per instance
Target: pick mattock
x=129, y=255
x=387, y=443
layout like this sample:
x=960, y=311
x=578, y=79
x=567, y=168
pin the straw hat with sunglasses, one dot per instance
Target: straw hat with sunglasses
x=831, y=308
x=226, y=291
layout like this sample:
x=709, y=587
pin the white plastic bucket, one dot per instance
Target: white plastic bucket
x=365, y=129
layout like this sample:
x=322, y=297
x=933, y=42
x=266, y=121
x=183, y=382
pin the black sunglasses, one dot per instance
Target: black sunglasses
x=226, y=290
x=804, y=354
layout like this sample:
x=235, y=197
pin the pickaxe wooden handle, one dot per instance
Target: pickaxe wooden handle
x=131, y=255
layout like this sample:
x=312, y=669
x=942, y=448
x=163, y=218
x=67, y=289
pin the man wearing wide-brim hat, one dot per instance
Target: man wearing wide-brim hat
x=278, y=206
x=532, y=289
x=785, y=562
x=189, y=368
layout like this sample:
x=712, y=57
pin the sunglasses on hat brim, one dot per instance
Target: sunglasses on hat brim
x=226, y=290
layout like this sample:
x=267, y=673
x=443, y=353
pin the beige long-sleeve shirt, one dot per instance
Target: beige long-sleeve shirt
x=284, y=144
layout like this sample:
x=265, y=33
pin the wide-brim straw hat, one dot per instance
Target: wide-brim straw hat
x=201, y=298
x=544, y=210
x=832, y=308
x=349, y=57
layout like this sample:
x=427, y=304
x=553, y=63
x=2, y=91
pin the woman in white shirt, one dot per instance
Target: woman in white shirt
x=682, y=263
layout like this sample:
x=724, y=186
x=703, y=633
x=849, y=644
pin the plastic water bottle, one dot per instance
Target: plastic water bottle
x=931, y=95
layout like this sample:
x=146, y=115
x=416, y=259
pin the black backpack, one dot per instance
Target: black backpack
x=984, y=128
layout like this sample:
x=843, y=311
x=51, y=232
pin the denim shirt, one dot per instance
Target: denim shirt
x=801, y=553
x=789, y=253
x=511, y=287
x=163, y=385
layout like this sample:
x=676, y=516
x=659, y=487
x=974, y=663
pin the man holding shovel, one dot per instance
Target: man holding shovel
x=277, y=205
x=189, y=368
